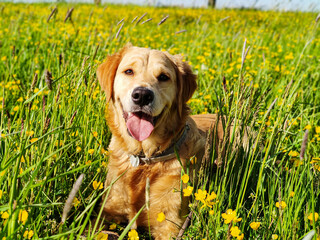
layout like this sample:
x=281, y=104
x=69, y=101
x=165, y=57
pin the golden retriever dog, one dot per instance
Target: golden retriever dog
x=147, y=93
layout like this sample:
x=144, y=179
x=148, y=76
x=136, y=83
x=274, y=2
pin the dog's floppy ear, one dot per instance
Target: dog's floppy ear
x=106, y=72
x=186, y=82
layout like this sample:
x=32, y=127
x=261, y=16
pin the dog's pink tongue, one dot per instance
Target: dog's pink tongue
x=140, y=128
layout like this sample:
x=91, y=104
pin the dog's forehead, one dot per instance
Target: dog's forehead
x=145, y=56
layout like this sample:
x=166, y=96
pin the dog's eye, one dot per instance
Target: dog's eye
x=128, y=72
x=162, y=77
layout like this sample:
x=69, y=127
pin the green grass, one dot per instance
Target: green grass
x=50, y=137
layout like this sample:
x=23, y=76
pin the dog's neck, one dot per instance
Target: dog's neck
x=161, y=139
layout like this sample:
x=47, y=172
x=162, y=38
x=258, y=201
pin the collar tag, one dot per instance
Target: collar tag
x=134, y=160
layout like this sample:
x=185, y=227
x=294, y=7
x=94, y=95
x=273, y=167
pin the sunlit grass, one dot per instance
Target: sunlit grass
x=50, y=137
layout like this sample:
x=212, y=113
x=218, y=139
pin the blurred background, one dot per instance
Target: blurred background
x=282, y=5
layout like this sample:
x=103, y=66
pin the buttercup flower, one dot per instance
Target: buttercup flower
x=235, y=231
x=255, y=225
x=97, y=185
x=185, y=178
x=310, y=217
x=230, y=216
x=23, y=216
x=28, y=234
x=5, y=215
x=161, y=217
x=133, y=235
x=282, y=204
x=187, y=191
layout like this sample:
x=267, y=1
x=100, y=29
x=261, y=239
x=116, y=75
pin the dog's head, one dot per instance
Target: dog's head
x=147, y=85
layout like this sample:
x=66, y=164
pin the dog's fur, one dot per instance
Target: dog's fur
x=127, y=194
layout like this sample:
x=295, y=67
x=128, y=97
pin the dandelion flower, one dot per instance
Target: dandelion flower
x=255, y=225
x=185, y=178
x=161, y=217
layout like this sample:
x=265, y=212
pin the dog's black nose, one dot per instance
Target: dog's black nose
x=142, y=96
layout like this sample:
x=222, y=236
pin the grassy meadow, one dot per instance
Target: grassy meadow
x=260, y=69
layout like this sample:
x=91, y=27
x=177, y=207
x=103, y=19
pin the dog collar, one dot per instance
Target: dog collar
x=168, y=154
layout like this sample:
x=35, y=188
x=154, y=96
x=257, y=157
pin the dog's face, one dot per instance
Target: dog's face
x=146, y=84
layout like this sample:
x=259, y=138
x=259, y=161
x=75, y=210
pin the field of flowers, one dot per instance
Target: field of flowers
x=258, y=68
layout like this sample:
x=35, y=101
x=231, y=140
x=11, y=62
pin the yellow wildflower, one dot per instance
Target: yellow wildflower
x=78, y=149
x=1, y=193
x=23, y=216
x=113, y=226
x=95, y=134
x=240, y=237
x=29, y=133
x=293, y=154
x=28, y=234
x=274, y=236
x=102, y=236
x=187, y=191
x=58, y=143
x=235, y=231
x=211, y=212
x=255, y=225
x=230, y=216
x=32, y=140
x=281, y=204
x=318, y=129
x=91, y=151
x=97, y=185
x=104, y=152
x=5, y=215
x=201, y=195
x=75, y=202
x=185, y=178
x=310, y=217
x=16, y=108
x=133, y=235
x=161, y=217
x=291, y=194
x=308, y=127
